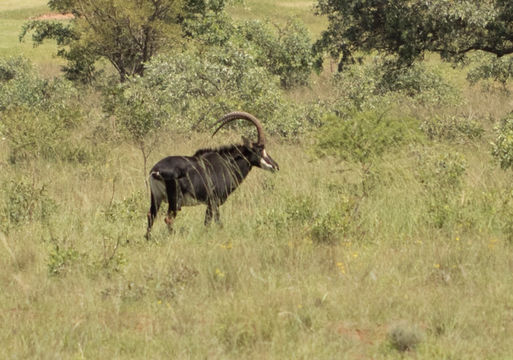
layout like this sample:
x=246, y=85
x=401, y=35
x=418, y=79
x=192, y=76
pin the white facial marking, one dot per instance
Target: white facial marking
x=265, y=164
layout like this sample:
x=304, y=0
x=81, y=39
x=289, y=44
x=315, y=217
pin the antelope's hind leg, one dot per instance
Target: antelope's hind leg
x=212, y=212
x=152, y=214
x=172, y=198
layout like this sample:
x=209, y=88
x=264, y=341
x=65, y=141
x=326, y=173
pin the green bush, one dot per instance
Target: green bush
x=191, y=90
x=490, y=67
x=20, y=85
x=32, y=134
x=363, y=136
x=425, y=85
x=502, y=147
x=38, y=116
x=373, y=82
x=441, y=174
x=60, y=259
x=333, y=226
x=285, y=52
x=451, y=128
x=22, y=201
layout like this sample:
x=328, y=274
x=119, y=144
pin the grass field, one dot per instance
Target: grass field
x=301, y=269
x=279, y=11
x=12, y=17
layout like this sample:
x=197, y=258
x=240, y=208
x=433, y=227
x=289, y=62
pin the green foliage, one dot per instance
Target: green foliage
x=443, y=171
x=209, y=28
x=441, y=174
x=417, y=81
x=490, y=67
x=136, y=108
x=127, y=34
x=502, y=147
x=371, y=84
x=333, y=226
x=38, y=115
x=190, y=90
x=22, y=202
x=285, y=52
x=111, y=224
x=364, y=136
x=282, y=51
x=202, y=7
x=126, y=210
x=452, y=128
x=40, y=134
x=60, y=259
x=407, y=29
x=297, y=210
x=81, y=56
x=20, y=85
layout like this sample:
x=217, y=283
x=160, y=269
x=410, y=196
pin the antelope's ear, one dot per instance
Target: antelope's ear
x=246, y=141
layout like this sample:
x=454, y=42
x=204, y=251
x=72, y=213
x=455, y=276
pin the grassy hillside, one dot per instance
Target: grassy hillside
x=306, y=265
x=12, y=17
x=279, y=11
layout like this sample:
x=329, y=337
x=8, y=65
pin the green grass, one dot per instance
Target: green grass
x=262, y=286
x=279, y=12
x=304, y=266
x=12, y=17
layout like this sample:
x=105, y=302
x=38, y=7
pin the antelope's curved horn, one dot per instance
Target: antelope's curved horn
x=245, y=116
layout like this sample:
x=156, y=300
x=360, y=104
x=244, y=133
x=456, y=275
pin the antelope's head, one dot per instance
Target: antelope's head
x=260, y=158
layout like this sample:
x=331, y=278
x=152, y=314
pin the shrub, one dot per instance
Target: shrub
x=332, y=226
x=37, y=115
x=451, y=128
x=19, y=84
x=363, y=136
x=22, y=201
x=490, y=67
x=367, y=84
x=60, y=259
x=191, y=90
x=502, y=147
x=441, y=174
x=188, y=89
x=285, y=52
x=425, y=85
x=34, y=134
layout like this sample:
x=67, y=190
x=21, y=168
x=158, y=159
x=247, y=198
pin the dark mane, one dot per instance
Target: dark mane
x=220, y=150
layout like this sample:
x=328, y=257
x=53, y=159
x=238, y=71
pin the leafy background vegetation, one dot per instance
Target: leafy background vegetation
x=387, y=233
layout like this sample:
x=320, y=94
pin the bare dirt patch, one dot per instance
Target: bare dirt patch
x=296, y=4
x=53, y=16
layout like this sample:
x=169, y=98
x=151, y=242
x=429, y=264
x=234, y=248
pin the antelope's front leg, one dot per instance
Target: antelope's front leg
x=169, y=220
x=212, y=212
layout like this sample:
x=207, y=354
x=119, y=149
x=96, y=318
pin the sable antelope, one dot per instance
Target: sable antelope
x=207, y=177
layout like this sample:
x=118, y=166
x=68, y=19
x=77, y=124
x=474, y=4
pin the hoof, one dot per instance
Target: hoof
x=169, y=221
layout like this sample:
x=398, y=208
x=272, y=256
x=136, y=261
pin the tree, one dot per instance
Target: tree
x=126, y=33
x=407, y=29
